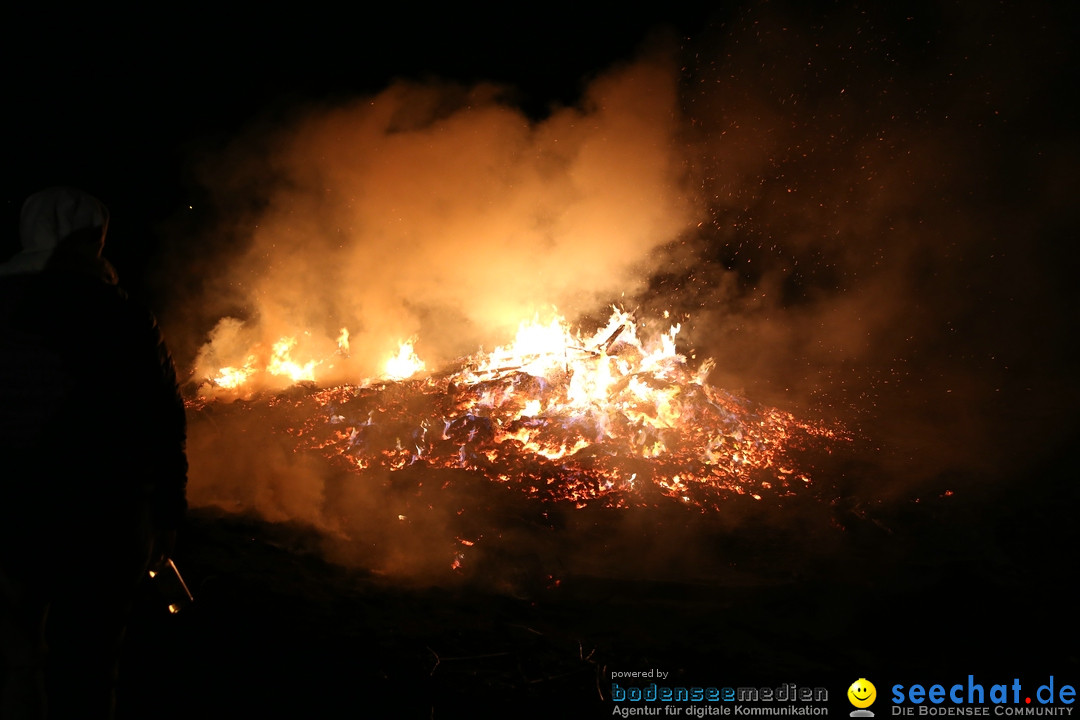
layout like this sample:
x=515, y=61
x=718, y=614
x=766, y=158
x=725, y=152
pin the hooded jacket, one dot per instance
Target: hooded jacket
x=91, y=418
x=49, y=217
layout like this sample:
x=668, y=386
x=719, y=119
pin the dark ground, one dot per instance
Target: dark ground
x=928, y=592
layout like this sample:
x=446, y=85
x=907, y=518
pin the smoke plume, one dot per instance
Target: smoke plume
x=443, y=213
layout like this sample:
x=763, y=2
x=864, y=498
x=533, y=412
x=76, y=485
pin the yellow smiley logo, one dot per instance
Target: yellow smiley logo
x=862, y=693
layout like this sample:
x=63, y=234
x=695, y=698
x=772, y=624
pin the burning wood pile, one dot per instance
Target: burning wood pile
x=609, y=421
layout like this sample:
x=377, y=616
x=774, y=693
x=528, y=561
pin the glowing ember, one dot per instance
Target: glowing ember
x=608, y=419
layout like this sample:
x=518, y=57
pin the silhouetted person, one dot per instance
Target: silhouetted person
x=93, y=467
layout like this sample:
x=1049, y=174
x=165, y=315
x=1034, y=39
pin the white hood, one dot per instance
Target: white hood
x=48, y=217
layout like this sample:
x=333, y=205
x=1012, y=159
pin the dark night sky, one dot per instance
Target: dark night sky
x=114, y=101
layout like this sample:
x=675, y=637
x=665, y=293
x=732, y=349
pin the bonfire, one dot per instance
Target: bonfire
x=610, y=418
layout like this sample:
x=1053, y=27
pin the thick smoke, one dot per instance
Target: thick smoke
x=443, y=213
x=884, y=201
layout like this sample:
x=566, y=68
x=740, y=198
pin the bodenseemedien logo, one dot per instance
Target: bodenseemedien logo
x=670, y=698
x=862, y=694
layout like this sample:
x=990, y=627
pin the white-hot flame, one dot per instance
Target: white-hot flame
x=231, y=378
x=405, y=364
x=281, y=362
x=539, y=349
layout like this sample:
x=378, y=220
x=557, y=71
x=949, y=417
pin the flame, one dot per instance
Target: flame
x=232, y=378
x=405, y=364
x=281, y=363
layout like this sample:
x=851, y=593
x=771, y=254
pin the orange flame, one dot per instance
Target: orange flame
x=405, y=364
